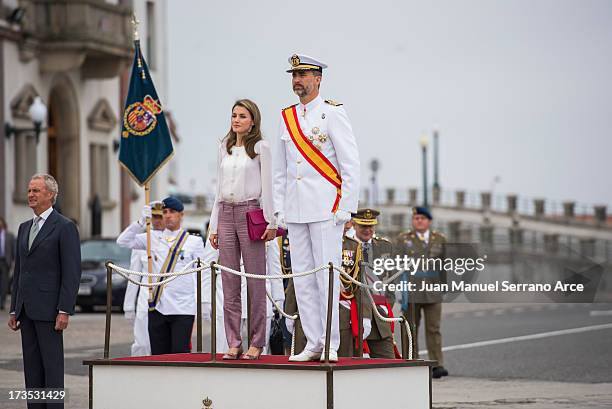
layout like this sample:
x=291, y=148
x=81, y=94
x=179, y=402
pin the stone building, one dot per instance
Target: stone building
x=76, y=56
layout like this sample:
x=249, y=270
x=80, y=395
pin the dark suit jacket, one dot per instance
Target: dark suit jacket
x=46, y=277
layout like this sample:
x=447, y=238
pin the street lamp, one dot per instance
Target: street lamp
x=424, y=142
x=436, y=184
x=374, y=167
x=38, y=114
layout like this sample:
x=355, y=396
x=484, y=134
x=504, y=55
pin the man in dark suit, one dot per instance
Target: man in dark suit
x=45, y=286
x=7, y=255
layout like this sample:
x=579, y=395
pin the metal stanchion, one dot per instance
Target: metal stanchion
x=213, y=310
x=109, y=307
x=199, y=308
x=330, y=302
x=404, y=338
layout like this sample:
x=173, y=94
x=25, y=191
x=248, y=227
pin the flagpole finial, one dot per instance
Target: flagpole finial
x=135, y=23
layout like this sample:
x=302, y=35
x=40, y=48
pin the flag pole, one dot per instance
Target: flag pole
x=147, y=187
x=148, y=219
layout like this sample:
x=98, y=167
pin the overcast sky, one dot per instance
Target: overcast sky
x=518, y=89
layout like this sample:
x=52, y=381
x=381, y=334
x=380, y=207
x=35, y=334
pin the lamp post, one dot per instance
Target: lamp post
x=436, y=184
x=374, y=167
x=424, y=142
x=38, y=114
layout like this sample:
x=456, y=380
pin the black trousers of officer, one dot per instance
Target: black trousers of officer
x=169, y=334
x=43, y=356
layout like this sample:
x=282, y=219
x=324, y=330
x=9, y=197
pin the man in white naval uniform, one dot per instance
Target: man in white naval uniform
x=136, y=300
x=316, y=188
x=171, y=309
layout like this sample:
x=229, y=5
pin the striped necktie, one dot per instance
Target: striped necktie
x=33, y=231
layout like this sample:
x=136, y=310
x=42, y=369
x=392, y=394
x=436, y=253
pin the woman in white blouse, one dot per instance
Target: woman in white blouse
x=244, y=183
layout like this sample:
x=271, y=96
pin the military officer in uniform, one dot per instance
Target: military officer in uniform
x=316, y=157
x=349, y=299
x=172, y=306
x=136, y=300
x=380, y=341
x=416, y=243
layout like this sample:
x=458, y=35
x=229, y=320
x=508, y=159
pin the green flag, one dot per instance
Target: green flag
x=145, y=140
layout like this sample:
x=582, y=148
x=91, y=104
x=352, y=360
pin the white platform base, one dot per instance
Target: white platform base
x=186, y=385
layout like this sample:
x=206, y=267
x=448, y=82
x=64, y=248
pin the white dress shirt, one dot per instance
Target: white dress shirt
x=240, y=178
x=43, y=217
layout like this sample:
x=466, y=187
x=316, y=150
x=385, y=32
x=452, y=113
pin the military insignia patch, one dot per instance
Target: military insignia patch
x=140, y=118
x=295, y=60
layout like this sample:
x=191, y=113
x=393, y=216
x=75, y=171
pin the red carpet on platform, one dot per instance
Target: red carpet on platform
x=265, y=359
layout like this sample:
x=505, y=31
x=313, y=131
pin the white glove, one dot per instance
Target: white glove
x=367, y=327
x=206, y=309
x=280, y=220
x=289, y=324
x=130, y=316
x=146, y=212
x=341, y=217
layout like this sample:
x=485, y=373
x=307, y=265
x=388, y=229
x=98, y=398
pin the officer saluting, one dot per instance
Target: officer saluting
x=172, y=307
x=316, y=187
x=380, y=340
x=416, y=243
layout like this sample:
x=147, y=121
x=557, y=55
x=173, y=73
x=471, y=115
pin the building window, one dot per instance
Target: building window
x=99, y=175
x=25, y=165
x=151, y=56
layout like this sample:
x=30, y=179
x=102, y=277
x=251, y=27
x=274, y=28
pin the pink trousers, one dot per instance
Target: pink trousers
x=234, y=242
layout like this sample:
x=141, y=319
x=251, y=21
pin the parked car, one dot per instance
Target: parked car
x=92, y=289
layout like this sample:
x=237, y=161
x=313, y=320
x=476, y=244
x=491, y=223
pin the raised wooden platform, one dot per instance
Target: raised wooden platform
x=195, y=381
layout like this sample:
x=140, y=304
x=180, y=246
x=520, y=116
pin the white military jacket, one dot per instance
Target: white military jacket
x=179, y=295
x=300, y=192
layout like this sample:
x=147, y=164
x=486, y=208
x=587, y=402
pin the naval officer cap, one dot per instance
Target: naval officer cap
x=366, y=217
x=422, y=211
x=172, y=202
x=301, y=62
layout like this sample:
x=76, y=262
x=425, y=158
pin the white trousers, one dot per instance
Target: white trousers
x=314, y=245
x=141, y=345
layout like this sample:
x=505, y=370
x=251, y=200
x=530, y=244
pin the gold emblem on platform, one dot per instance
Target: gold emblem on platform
x=207, y=403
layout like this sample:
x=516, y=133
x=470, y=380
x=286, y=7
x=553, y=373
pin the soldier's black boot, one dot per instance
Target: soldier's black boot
x=439, y=372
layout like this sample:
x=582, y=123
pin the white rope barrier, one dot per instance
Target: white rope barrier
x=170, y=276
x=401, y=320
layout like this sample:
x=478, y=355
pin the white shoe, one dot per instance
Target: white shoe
x=305, y=356
x=333, y=356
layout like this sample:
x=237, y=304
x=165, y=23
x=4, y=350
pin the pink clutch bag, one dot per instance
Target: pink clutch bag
x=256, y=225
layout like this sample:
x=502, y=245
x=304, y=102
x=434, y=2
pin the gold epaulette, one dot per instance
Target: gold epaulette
x=379, y=238
x=332, y=102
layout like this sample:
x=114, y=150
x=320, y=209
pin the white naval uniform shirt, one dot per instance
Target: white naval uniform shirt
x=300, y=192
x=179, y=295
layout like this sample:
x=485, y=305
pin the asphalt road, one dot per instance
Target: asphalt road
x=575, y=357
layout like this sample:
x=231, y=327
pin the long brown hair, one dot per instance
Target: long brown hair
x=254, y=134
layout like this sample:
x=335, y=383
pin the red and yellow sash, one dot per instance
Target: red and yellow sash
x=314, y=156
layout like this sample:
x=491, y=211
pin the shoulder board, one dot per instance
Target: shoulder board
x=290, y=106
x=437, y=233
x=350, y=240
x=384, y=239
x=332, y=102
